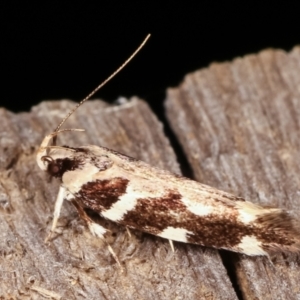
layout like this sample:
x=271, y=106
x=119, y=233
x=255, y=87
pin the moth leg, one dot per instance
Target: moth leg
x=95, y=229
x=172, y=245
x=57, y=208
x=128, y=232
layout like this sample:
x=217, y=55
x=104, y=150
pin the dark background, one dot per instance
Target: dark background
x=55, y=50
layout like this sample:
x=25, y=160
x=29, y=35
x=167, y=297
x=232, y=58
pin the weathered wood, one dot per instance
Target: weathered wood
x=76, y=265
x=239, y=125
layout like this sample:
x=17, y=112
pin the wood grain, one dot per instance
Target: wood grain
x=239, y=126
x=76, y=265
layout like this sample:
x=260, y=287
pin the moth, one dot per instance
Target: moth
x=139, y=196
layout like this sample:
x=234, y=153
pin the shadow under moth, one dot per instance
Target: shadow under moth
x=139, y=196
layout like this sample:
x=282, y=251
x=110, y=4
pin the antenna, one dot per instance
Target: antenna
x=103, y=83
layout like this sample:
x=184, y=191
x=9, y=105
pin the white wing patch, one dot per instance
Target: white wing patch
x=249, y=212
x=177, y=234
x=126, y=202
x=199, y=209
x=250, y=245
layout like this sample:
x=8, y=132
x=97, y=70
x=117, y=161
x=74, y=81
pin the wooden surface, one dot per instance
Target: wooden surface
x=238, y=124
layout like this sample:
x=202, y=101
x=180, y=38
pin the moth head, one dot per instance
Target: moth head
x=52, y=158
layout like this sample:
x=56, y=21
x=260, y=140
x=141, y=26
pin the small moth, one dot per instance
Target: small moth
x=139, y=196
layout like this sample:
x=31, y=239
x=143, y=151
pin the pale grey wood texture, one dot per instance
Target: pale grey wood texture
x=76, y=265
x=239, y=126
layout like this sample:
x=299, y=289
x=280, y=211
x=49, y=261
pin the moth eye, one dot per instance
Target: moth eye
x=54, y=168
